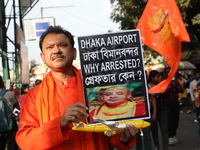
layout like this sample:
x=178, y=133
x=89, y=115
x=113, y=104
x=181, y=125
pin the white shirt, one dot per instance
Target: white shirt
x=193, y=85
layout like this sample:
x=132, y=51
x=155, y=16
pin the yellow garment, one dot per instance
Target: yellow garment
x=184, y=94
x=122, y=111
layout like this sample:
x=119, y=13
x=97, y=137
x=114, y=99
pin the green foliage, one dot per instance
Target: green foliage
x=33, y=65
x=128, y=13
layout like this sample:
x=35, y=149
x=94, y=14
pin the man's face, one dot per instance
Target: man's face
x=197, y=76
x=116, y=95
x=57, y=52
x=167, y=71
x=156, y=78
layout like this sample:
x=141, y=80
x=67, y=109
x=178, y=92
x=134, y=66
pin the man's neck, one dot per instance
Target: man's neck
x=63, y=77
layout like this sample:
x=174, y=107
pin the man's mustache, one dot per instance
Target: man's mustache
x=58, y=56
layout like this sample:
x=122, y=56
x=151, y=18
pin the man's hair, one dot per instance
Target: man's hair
x=152, y=74
x=196, y=71
x=56, y=30
x=38, y=81
x=166, y=68
x=23, y=87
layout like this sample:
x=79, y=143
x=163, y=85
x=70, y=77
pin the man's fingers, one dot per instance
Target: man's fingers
x=74, y=113
x=80, y=105
x=128, y=133
x=78, y=112
x=132, y=129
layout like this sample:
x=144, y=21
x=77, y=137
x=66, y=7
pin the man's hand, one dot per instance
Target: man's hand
x=128, y=133
x=74, y=113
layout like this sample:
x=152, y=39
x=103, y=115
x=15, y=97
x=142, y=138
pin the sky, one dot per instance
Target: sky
x=80, y=17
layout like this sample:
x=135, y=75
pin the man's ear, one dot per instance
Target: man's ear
x=42, y=57
x=74, y=55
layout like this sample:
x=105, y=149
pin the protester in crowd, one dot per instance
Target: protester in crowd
x=37, y=82
x=197, y=106
x=171, y=97
x=14, y=90
x=183, y=97
x=193, y=84
x=118, y=103
x=24, y=91
x=147, y=131
x=162, y=121
x=51, y=107
x=7, y=138
x=191, y=75
x=197, y=102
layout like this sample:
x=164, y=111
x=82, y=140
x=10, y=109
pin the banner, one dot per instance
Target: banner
x=113, y=76
x=162, y=29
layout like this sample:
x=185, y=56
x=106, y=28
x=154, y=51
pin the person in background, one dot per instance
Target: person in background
x=191, y=75
x=24, y=91
x=197, y=106
x=162, y=122
x=14, y=90
x=171, y=97
x=7, y=138
x=147, y=131
x=183, y=97
x=37, y=82
x=193, y=84
x=51, y=107
x=197, y=102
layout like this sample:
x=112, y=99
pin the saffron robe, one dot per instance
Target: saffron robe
x=47, y=135
x=124, y=110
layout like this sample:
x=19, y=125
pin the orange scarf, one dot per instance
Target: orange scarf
x=47, y=101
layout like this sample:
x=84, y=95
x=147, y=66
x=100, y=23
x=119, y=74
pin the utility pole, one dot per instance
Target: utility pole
x=53, y=7
x=3, y=45
x=15, y=46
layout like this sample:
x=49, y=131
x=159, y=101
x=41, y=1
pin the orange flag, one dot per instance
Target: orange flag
x=162, y=29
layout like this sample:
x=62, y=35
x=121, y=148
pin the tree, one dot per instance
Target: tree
x=128, y=13
x=33, y=65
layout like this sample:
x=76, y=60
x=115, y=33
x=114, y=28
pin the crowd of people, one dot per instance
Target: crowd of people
x=183, y=94
x=48, y=110
x=14, y=98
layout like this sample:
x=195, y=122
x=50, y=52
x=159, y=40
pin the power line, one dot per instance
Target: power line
x=84, y=19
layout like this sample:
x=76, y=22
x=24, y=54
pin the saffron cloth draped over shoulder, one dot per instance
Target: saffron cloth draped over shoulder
x=47, y=101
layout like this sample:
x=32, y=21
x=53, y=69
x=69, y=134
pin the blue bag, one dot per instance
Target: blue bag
x=6, y=121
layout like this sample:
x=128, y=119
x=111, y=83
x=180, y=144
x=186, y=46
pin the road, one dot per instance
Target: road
x=187, y=133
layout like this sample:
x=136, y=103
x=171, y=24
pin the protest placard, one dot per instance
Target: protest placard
x=113, y=74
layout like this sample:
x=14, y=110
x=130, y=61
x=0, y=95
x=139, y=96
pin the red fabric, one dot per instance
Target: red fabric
x=140, y=109
x=21, y=100
x=15, y=91
x=171, y=96
x=162, y=29
x=35, y=134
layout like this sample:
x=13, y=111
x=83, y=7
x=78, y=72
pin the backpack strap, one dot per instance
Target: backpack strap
x=3, y=92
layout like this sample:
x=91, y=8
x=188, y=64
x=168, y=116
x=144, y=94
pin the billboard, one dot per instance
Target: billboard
x=35, y=27
x=25, y=5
